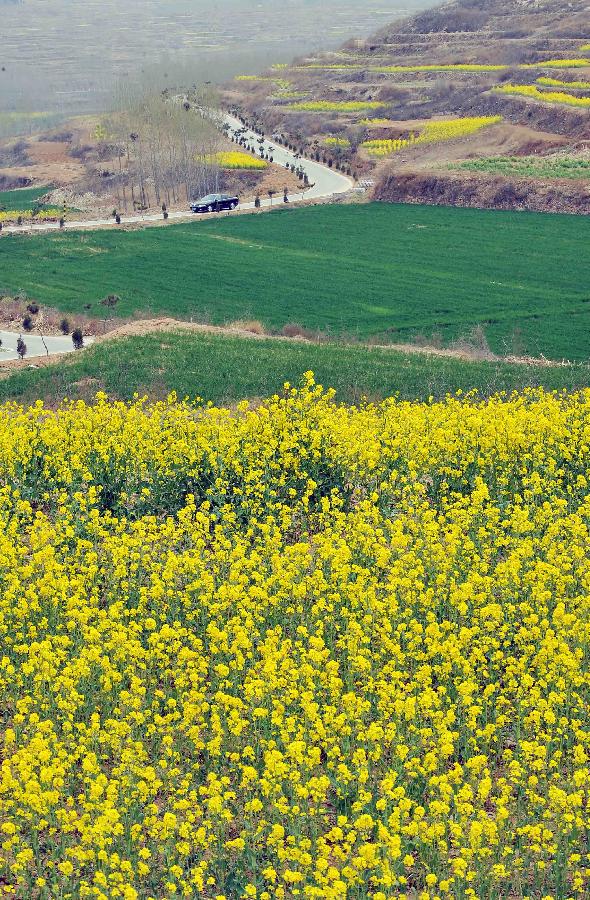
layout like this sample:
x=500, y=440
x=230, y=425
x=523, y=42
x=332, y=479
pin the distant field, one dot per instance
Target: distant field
x=224, y=369
x=362, y=270
x=20, y=123
x=22, y=199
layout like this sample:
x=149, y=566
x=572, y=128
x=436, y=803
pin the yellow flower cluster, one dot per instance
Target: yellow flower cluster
x=43, y=215
x=336, y=105
x=450, y=129
x=236, y=159
x=454, y=67
x=431, y=67
x=295, y=650
x=333, y=141
x=457, y=67
x=529, y=90
x=556, y=82
x=557, y=64
x=433, y=132
x=386, y=146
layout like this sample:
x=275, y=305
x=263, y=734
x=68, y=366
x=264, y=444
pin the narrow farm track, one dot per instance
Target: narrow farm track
x=326, y=182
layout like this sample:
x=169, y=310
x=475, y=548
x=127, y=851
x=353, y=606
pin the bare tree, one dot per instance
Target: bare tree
x=169, y=140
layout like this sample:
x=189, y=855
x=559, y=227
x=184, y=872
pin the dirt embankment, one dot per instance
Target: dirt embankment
x=255, y=331
x=484, y=192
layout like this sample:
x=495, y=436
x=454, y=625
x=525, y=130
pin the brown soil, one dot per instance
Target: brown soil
x=50, y=164
x=9, y=365
x=483, y=191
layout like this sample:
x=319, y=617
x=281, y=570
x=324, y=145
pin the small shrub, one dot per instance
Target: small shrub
x=77, y=338
x=474, y=344
x=28, y=323
x=293, y=330
x=64, y=326
x=33, y=308
x=251, y=325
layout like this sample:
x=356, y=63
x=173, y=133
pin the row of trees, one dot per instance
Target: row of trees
x=77, y=343
x=164, y=144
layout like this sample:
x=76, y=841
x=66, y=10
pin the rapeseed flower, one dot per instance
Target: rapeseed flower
x=295, y=650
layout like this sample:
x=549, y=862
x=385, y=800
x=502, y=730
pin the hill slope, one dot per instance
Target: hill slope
x=508, y=79
x=225, y=368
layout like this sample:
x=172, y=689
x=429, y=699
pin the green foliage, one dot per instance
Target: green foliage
x=531, y=166
x=224, y=369
x=358, y=270
x=22, y=199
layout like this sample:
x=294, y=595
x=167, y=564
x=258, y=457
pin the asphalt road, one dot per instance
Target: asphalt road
x=34, y=344
x=326, y=183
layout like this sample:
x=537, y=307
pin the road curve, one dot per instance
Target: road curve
x=35, y=347
x=326, y=183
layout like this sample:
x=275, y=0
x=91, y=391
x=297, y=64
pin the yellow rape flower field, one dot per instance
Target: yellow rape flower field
x=42, y=215
x=236, y=159
x=296, y=649
x=529, y=90
x=433, y=132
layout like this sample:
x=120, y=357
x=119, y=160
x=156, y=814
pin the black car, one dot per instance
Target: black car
x=214, y=203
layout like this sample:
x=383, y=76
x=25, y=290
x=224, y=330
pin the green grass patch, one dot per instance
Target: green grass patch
x=224, y=369
x=22, y=199
x=359, y=270
x=531, y=166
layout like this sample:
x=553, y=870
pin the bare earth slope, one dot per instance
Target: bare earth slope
x=502, y=83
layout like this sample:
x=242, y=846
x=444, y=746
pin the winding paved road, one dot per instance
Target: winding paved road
x=34, y=342
x=326, y=183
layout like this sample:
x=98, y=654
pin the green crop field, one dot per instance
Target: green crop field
x=224, y=369
x=359, y=270
x=22, y=199
x=570, y=167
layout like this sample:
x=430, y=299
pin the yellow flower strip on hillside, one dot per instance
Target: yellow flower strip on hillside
x=387, y=146
x=295, y=648
x=374, y=121
x=11, y=215
x=452, y=67
x=344, y=106
x=235, y=159
x=433, y=67
x=556, y=82
x=433, y=132
x=529, y=90
x=557, y=64
x=458, y=67
x=333, y=141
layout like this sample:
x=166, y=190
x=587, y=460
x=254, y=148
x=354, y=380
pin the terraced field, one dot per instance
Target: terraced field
x=522, y=67
x=561, y=166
